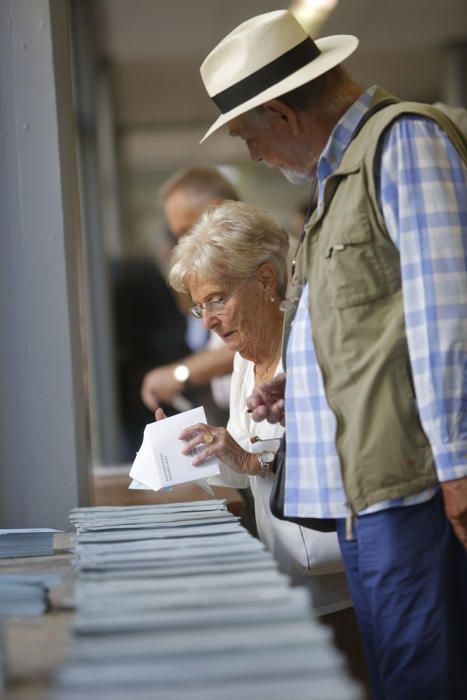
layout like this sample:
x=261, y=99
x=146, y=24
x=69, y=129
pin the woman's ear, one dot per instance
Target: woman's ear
x=266, y=276
x=280, y=112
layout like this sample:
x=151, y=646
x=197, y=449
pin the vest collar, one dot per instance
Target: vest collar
x=338, y=158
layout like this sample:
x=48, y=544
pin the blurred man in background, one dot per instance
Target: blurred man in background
x=185, y=196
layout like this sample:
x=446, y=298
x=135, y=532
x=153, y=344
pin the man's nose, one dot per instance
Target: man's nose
x=253, y=151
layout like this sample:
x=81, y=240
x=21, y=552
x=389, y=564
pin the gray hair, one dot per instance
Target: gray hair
x=329, y=95
x=230, y=242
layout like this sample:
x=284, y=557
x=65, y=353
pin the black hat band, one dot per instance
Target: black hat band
x=266, y=77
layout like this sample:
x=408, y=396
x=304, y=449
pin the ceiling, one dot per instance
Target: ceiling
x=154, y=49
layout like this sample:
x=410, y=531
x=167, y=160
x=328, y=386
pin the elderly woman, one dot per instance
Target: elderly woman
x=233, y=264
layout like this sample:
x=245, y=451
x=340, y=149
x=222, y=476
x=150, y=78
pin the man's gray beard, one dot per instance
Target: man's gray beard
x=296, y=178
x=292, y=175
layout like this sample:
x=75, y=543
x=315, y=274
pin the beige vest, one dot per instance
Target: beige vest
x=353, y=271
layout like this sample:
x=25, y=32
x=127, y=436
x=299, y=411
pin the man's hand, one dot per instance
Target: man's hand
x=159, y=386
x=267, y=401
x=455, y=503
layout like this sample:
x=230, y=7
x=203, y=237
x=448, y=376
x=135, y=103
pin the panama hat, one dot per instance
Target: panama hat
x=266, y=57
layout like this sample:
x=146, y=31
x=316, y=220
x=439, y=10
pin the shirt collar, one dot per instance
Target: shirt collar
x=341, y=136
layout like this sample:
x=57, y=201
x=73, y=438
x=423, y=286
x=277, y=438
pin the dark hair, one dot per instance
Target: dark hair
x=204, y=184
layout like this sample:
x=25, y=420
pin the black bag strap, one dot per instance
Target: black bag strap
x=277, y=497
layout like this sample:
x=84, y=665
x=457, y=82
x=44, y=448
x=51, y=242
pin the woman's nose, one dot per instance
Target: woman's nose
x=210, y=320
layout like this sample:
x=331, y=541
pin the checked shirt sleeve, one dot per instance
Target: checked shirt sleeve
x=423, y=197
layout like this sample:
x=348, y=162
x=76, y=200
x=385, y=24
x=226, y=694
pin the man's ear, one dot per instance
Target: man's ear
x=279, y=110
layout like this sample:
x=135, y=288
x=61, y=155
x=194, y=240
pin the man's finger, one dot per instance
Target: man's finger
x=461, y=534
x=276, y=414
x=149, y=399
x=259, y=413
x=253, y=402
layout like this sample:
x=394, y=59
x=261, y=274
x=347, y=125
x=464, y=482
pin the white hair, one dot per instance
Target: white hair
x=230, y=242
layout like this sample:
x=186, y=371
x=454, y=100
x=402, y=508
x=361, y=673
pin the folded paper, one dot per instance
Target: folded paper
x=160, y=462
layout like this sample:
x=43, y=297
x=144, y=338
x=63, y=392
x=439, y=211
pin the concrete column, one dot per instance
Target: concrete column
x=98, y=228
x=43, y=444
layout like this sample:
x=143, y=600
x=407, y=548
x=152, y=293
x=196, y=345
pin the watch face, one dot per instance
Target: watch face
x=181, y=373
x=267, y=457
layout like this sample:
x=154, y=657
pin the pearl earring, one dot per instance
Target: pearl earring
x=272, y=298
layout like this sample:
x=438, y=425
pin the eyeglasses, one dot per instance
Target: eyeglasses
x=217, y=306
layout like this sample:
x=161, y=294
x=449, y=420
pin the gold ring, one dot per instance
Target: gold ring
x=208, y=438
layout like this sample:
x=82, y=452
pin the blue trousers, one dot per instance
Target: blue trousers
x=407, y=574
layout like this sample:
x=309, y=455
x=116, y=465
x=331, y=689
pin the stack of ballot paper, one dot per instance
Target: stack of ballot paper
x=160, y=462
x=179, y=602
x=2, y=655
x=25, y=594
x=26, y=543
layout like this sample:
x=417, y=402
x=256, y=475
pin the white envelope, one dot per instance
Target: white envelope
x=160, y=462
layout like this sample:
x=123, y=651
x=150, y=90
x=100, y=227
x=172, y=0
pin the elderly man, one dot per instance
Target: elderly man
x=375, y=358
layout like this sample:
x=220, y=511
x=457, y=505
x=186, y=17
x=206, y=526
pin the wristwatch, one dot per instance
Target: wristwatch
x=265, y=460
x=182, y=374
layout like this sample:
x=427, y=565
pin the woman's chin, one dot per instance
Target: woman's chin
x=232, y=343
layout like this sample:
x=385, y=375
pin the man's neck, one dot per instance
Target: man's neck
x=320, y=125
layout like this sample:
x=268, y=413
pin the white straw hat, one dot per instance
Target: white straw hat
x=266, y=57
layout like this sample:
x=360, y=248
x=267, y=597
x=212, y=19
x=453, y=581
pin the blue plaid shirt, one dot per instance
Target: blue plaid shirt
x=422, y=190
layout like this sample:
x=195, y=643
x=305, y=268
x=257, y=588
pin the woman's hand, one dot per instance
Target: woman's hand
x=217, y=442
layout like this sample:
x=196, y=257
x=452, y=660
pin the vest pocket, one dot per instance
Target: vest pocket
x=355, y=270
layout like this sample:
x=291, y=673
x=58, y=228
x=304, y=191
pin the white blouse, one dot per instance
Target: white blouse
x=285, y=540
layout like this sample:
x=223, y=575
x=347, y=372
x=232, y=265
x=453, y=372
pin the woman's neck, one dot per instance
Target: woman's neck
x=266, y=370
x=268, y=347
